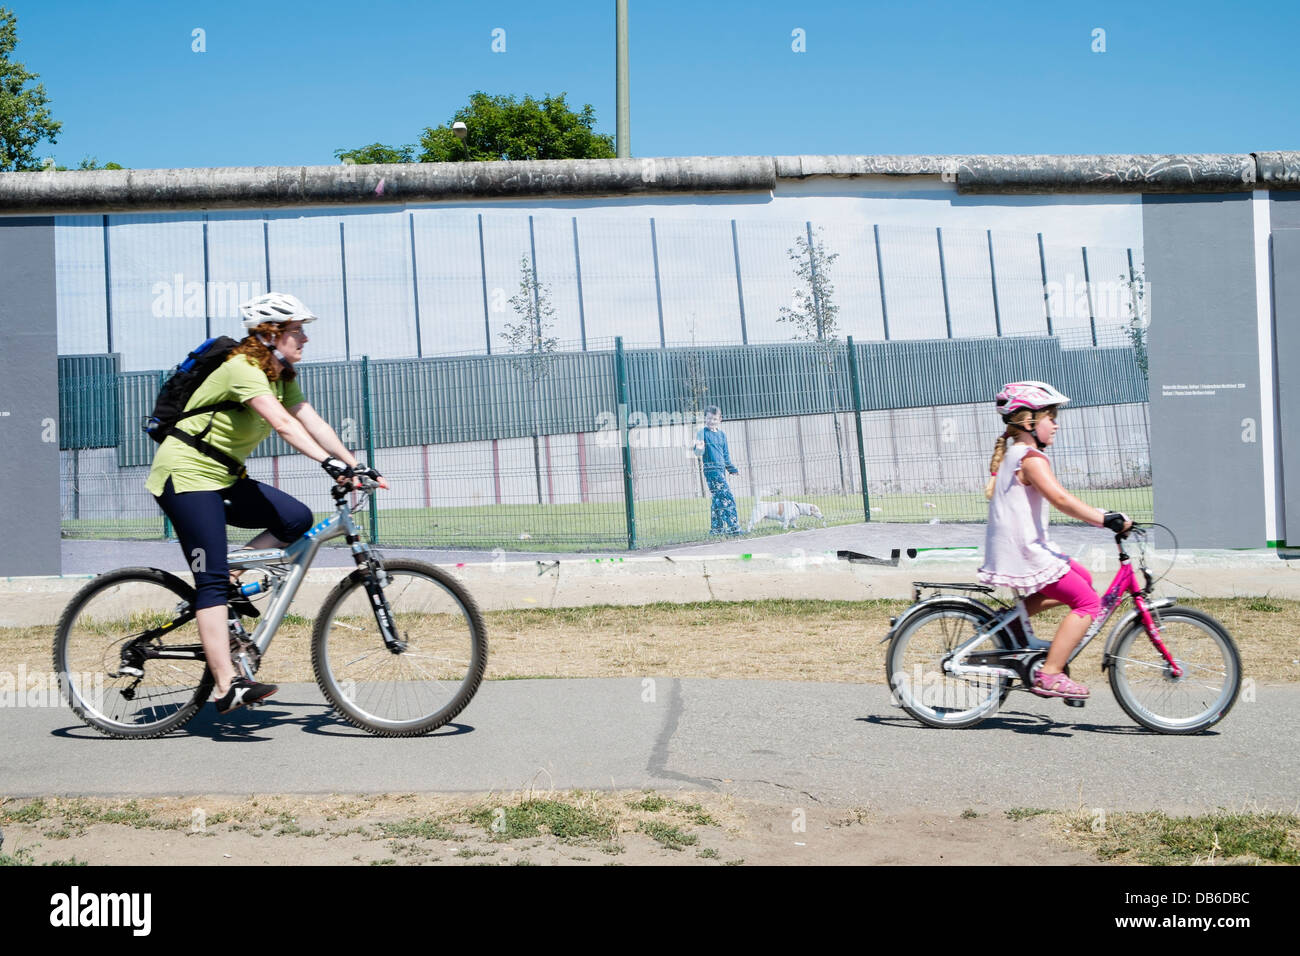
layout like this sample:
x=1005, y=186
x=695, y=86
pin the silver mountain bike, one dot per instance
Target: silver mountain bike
x=398, y=648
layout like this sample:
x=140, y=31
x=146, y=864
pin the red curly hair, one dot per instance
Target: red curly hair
x=260, y=354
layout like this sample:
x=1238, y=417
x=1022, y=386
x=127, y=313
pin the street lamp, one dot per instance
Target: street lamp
x=460, y=131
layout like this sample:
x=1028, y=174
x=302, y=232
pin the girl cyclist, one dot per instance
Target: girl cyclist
x=1017, y=551
x=201, y=494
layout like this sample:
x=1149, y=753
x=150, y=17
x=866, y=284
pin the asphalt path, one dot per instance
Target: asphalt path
x=802, y=743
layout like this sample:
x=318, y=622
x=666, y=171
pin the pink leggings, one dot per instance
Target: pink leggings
x=1075, y=589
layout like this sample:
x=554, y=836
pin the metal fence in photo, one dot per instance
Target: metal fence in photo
x=577, y=449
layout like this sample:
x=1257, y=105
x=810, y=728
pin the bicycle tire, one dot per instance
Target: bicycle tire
x=913, y=667
x=93, y=628
x=443, y=631
x=1210, y=683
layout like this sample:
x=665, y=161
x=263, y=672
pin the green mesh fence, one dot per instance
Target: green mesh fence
x=536, y=452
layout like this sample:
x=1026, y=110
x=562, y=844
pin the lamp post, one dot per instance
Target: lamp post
x=623, y=142
x=460, y=131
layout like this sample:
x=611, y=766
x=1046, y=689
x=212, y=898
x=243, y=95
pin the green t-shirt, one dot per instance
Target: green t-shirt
x=236, y=432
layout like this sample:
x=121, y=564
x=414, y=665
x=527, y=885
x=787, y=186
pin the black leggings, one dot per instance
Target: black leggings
x=201, y=517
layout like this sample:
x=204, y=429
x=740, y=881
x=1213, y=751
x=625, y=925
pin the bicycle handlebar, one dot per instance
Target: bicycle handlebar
x=357, y=483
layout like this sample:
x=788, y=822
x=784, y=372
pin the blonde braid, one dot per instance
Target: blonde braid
x=999, y=452
x=1020, y=417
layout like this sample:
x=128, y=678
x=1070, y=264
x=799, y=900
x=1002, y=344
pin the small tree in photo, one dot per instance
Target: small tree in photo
x=530, y=338
x=812, y=310
x=813, y=314
x=1138, y=320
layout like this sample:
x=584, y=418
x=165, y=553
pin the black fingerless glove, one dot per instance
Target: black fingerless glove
x=336, y=469
x=1114, y=521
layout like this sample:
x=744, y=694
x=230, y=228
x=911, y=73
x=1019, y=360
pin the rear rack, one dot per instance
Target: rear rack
x=919, y=586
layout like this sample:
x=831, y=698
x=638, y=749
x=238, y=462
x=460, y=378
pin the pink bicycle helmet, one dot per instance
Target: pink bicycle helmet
x=1032, y=395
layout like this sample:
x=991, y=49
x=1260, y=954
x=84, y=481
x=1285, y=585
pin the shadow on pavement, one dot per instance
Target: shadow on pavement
x=253, y=724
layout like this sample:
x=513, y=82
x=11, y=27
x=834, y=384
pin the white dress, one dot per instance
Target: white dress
x=1017, y=551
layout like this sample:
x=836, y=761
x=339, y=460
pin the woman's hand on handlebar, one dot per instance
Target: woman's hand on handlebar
x=352, y=476
x=365, y=471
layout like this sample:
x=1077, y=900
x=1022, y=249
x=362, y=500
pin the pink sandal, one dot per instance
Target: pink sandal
x=1058, y=685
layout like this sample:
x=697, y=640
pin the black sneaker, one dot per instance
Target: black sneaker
x=242, y=693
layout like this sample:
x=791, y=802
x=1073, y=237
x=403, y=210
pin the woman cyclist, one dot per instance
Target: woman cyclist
x=1017, y=552
x=201, y=494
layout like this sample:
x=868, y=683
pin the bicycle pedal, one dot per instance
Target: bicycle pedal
x=1073, y=702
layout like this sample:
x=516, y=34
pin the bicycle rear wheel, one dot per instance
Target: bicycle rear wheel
x=125, y=619
x=1144, y=683
x=425, y=683
x=914, y=667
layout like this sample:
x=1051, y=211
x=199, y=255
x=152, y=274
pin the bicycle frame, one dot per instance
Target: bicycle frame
x=297, y=558
x=1123, y=586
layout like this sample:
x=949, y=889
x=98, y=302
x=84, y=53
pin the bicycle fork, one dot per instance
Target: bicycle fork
x=373, y=579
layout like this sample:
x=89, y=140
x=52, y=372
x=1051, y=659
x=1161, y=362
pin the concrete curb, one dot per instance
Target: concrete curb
x=504, y=585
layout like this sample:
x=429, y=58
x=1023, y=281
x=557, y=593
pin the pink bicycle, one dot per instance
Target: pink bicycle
x=953, y=659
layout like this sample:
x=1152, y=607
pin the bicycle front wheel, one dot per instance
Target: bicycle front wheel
x=111, y=650
x=1198, y=698
x=914, y=667
x=417, y=687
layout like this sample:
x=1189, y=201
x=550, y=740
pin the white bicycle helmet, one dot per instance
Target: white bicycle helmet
x=1032, y=395
x=275, y=307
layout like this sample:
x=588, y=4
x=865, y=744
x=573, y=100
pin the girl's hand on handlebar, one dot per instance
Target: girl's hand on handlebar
x=1117, y=522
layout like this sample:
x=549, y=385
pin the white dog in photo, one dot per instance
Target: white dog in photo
x=786, y=512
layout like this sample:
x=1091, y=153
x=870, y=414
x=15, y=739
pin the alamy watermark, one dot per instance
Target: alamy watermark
x=649, y=429
x=1115, y=301
x=126, y=910
x=178, y=298
x=25, y=688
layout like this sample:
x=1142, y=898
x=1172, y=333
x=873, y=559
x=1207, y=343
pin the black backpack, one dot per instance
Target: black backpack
x=179, y=388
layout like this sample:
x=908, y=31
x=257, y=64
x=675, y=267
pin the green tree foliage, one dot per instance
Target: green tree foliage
x=90, y=162
x=502, y=127
x=24, y=118
x=376, y=153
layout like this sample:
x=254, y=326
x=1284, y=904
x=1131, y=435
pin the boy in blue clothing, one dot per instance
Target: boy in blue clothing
x=711, y=446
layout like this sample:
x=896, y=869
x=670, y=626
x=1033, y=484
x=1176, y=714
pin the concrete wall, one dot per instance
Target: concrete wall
x=29, y=397
x=1286, y=302
x=1205, y=369
x=1200, y=226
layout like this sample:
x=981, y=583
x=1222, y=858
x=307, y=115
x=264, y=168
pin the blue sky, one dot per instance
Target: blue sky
x=284, y=82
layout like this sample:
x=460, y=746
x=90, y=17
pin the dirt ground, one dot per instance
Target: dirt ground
x=759, y=640
x=584, y=829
